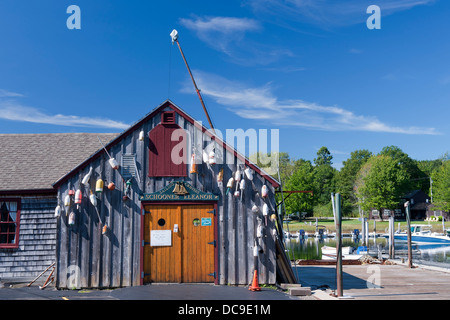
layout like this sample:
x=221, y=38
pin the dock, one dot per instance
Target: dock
x=378, y=281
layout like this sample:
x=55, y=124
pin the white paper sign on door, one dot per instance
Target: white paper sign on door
x=159, y=238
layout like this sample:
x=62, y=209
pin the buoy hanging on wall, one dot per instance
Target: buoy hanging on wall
x=265, y=212
x=141, y=135
x=67, y=201
x=111, y=186
x=230, y=184
x=255, y=209
x=264, y=191
x=72, y=218
x=220, y=178
x=99, y=186
x=242, y=187
x=93, y=199
x=212, y=158
x=113, y=163
x=193, y=164
x=205, y=157
x=86, y=178
x=57, y=211
x=78, y=198
x=249, y=173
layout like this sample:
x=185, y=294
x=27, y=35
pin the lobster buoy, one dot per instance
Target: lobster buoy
x=205, y=157
x=255, y=209
x=259, y=231
x=141, y=135
x=111, y=186
x=220, y=178
x=264, y=191
x=57, y=211
x=72, y=218
x=86, y=178
x=67, y=201
x=230, y=184
x=265, y=212
x=93, y=199
x=113, y=163
x=237, y=193
x=242, y=187
x=249, y=173
x=237, y=175
x=99, y=186
x=193, y=164
x=78, y=197
x=273, y=217
x=212, y=158
x=265, y=209
x=71, y=192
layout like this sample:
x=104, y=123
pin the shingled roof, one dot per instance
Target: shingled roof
x=33, y=162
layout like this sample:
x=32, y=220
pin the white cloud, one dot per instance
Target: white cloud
x=325, y=13
x=228, y=35
x=13, y=111
x=9, y=94
x=260, y=103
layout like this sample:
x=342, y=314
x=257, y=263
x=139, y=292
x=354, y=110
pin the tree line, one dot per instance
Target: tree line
x=366, y=181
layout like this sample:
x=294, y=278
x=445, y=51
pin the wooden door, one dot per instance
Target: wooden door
x=161, y=259
x=189, y=257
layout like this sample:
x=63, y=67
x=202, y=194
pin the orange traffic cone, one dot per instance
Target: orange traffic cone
x=255, y=286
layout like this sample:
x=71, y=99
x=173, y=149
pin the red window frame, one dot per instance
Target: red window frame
x=6, y=235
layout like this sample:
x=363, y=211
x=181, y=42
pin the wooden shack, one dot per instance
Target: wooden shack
x=166, y=219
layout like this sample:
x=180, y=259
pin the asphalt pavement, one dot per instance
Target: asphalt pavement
x=148, y=292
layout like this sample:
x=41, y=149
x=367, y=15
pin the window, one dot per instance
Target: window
x=9, y=223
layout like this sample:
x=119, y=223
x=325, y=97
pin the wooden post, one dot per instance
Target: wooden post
x=391, y=238
x=408, y=226
x=339, y=284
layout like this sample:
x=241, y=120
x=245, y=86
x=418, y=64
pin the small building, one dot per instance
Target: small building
x=30, y=164
x=419, y=206
x=141, y=211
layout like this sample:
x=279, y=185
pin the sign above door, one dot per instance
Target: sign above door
x=179, y=191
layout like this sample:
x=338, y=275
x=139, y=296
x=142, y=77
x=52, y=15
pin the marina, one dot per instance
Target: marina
x=312, y=248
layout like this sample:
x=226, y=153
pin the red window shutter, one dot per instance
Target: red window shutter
x=160, y=150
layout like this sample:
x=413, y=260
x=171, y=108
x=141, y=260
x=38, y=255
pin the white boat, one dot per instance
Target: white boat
x=348, y=253
x=421, y=233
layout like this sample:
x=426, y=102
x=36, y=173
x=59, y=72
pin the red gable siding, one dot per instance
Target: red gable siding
x=160, y=149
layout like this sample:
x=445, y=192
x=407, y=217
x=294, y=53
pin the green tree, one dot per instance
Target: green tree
x=324, y=157
x=417, y=178
x=301, y=180
x=441, y=187
x=345, y=178
x=380, y=183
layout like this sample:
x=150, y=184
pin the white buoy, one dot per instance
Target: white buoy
x=57, y=211
x=67, y=201
x=93, y=199
x=249, y=173
x=86, y=178
x=264, y=191
x=113, y=163
x=212, y=158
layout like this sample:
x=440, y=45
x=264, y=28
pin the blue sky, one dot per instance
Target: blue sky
x=311, y=69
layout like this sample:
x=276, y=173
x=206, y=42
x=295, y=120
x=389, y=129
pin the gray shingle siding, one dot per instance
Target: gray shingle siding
x=37, y=240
